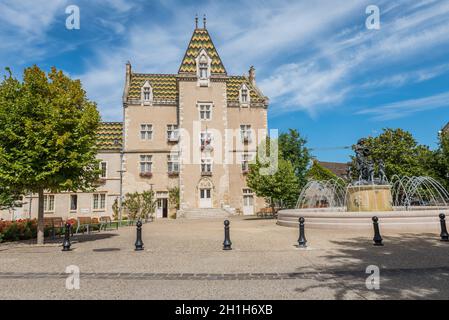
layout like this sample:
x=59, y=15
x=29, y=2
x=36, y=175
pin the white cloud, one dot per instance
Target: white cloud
x=406, y=107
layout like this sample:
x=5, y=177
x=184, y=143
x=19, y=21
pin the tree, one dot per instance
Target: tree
x=292, y=148
x=132, y=204
x=401, y=154
x=148, y=204
x=47, y=136
x=279, y=185
x=440, y=162
x=173, y=195
x=9, y=199
x=320, y=173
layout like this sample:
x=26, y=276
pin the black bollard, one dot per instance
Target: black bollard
x=66, y=244
x=227, y=240
x=139, y=243
x=302, y=242
x=377, y=237
x=444, y=235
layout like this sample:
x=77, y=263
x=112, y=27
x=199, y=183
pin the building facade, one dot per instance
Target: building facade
x=196, y=130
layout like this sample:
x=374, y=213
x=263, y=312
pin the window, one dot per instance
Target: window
x=205, y=138
x=73, y=202
x=244, y=95
x=206, y=165
x=104, y=169
x=245, y=162
x=203, y=67
x=147, y=93
x=49, y=203
x=172, y=132
x=99, y=202
x=245, y=132
x=146, y=163
x=205, y=111
x=146, y=131
x=173, y=163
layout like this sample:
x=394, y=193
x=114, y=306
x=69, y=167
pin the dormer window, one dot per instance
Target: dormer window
x=203, y=68
x=203, y=63
x=244, y=96
x=147, y=93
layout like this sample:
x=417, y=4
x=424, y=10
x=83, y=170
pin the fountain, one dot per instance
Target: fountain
x=403, y=203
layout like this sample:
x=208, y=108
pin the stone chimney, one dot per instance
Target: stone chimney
x=252, y=75
x=127, y=81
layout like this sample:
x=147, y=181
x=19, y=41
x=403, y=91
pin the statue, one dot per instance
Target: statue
x=366, y=166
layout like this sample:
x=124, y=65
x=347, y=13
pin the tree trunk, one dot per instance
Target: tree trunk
x=40, y=218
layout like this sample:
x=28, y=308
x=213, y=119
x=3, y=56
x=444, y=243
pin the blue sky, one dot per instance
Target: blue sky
x=325, y=73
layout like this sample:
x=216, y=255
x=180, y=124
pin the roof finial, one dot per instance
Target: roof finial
x=204, y=21
x=196, y=21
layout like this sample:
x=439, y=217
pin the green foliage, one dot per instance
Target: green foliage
x=9, y=199
x=400, y=152
x=174, y=199
x=140, y=205
x=279, y=185
x=148, y=204
x=47, y=135
x=440, y=163
x=292, y=148
x=115, y=209
x=320, y=173
x=18, y=230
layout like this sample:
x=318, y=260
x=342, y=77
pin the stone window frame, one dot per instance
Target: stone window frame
x=143, y=92
x=203, y=81
x=244, y=104
x=147, y=131
x=100, y=202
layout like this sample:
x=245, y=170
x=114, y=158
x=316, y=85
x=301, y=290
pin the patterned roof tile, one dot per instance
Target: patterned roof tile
x=233, y=85
x=164, y=86
x=109, y=136
x=201, y=40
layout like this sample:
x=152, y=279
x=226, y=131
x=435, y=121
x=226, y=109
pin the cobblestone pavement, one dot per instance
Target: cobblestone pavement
x=183, y=259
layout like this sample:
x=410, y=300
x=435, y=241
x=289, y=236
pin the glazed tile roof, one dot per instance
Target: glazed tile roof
x=109, y=136
x=164, y=86
x=233, y=85
x=201, y=39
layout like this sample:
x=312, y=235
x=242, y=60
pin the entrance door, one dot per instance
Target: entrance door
x=248, y=202
x=205, y=198
x=162, y=208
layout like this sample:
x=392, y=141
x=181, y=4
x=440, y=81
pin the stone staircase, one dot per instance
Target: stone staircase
x=209, y=213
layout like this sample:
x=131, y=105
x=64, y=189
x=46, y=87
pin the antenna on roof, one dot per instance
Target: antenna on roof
x=196, y=21
x=204, y=21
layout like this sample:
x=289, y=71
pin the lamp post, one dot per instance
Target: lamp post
x=121, y=171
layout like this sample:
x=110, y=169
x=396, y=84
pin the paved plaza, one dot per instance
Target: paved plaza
x=183, y=259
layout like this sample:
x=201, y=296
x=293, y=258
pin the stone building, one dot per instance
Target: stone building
x=196, y=130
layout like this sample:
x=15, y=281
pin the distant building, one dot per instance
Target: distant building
x=337, y=168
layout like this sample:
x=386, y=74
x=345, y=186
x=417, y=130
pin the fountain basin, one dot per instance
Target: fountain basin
x=369, y=198
x=415, y=220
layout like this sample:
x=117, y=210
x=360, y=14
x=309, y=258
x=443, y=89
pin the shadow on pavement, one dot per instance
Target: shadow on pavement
x=411, y=267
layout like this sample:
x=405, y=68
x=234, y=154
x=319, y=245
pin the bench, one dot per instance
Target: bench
x=54, y=223
x=267, y=212
x=87, y=223
x=106, y=221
